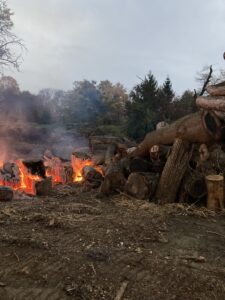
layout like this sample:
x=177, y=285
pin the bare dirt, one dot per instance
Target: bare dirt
x=74, y=245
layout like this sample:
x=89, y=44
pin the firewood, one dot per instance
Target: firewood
x=216, y=90
x=81, y=155
x=6, y=193
x=141, y=185
x=188, y=128
x=43, y=187
x=215, y=189
x=195, y=185
x=114, y=179
x=173, y=172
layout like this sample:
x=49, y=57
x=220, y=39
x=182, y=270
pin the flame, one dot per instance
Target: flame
x=78, y=164
x=25, y=181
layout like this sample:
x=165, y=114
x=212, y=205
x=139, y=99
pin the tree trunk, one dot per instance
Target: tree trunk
x=173, y=172
x=189, y=128
x=215, y=188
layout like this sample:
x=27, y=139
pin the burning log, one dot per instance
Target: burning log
x=173, y=172
x=215, y=188
x=43, y=187
x=6, y=193
x=92, y=176
x=141, y=185
x=189, y=128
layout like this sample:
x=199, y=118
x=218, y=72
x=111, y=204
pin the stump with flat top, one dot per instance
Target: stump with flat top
x=215, y=189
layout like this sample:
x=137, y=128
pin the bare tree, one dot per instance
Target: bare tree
x=11, y=47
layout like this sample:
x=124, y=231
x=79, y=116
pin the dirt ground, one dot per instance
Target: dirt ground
x=74, y=245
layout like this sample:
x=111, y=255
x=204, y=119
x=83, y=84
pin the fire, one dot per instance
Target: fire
x=78, y=164
x=25, y=181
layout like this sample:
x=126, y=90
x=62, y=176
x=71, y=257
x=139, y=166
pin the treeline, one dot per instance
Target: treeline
x=102, y=107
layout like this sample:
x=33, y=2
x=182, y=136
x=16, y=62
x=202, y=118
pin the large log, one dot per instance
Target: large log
x=173, y=172
x=216, y=90
x=189, y=128
x=211, y=103
x=141, y=185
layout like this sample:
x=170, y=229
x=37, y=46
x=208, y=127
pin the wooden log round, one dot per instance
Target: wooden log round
x=215, y=189
x=141, y=185
x=173, y=172
x=6, y=193
x=92, y=176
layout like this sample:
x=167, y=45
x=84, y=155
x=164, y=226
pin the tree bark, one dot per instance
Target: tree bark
x=211, y=103
x=216, y=90
x=173, y=172
x=189, y=128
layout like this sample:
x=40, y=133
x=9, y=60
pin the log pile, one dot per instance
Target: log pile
x=180, y=162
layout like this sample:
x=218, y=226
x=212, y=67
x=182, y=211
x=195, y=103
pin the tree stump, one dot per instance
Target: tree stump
x=173, y=172
x=215, y=189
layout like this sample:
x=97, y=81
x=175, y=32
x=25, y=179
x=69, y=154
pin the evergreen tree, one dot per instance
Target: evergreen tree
x=142, y=107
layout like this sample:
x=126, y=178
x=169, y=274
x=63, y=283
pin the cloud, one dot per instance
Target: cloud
x=117, y=40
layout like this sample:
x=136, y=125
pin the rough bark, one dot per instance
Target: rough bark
x=188, y=128
x=173, y=172
x=216, y=90
x=110, y=152
x=211, y=103
x=43, y=187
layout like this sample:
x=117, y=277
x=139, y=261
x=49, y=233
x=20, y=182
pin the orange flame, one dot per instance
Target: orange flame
x=78, y=164
x=25, y=182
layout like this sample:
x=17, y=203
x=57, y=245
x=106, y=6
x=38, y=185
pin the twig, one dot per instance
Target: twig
x=216, y=233
x=17, y=257
x=206, y=81
x=121, y=291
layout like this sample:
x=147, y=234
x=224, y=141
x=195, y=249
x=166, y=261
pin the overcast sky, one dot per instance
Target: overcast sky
x=118, y=40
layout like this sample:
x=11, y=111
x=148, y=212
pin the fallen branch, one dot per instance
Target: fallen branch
x=121, y=291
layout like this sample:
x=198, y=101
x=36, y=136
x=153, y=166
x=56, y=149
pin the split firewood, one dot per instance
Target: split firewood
x=173, y=172
x=189, y=128
x=215, y=188
x=141, y=185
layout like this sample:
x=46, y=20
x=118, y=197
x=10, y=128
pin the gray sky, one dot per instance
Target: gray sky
x=70, y=40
